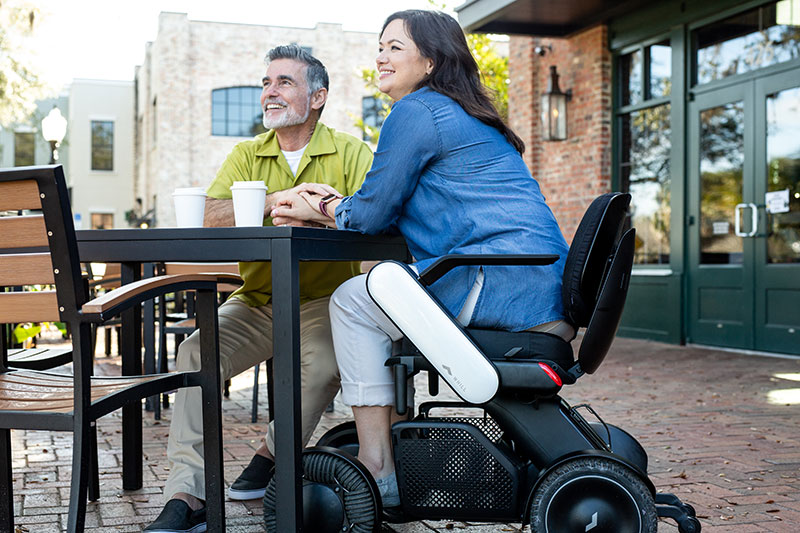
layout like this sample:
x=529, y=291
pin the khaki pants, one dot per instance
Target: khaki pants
x=245, y=339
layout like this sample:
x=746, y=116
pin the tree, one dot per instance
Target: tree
x=20, y=85
x=494, y=74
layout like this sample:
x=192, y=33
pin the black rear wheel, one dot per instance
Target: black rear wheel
x=593, y=495
x=339, y=494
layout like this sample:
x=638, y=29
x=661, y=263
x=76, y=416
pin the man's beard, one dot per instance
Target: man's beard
x=289, y=117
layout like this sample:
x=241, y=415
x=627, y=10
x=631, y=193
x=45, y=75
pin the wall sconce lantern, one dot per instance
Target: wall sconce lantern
x=554, y=110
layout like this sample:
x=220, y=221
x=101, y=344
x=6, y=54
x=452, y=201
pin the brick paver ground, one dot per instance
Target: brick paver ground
x=721, y=430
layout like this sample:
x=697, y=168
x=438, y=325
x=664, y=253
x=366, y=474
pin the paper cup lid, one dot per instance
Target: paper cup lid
x=198, y=191
x=249, y=185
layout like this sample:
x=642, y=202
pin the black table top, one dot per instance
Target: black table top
x=234, y=244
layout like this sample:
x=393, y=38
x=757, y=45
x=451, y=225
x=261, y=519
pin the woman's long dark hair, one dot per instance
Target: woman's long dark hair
x=455, y=72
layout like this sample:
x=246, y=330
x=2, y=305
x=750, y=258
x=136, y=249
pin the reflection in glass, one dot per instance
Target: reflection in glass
x=644, y=172
x=631, y=83
x=236, y=112
x=102, y=132
x=755, y=39
x=783, y=172
x=24, y=149
x=660, y=70
x=721, y=164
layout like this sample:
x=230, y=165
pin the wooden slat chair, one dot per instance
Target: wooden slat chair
x=184, y=322
x=110, y=279
x=187, y=325
x=41, y=249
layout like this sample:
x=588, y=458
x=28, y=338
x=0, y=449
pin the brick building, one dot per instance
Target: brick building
x=197, y=96
x=693, y=108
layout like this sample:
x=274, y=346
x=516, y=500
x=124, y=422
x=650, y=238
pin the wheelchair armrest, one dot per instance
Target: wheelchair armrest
x=448, y=262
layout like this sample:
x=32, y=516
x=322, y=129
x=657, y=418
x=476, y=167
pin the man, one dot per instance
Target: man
x=298, y=153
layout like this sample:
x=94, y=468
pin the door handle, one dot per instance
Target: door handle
x=737, y=228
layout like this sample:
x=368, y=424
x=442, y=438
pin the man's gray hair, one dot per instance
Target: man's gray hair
x=316, y=73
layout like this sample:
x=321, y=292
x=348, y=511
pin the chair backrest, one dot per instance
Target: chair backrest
x=603, y=326
x=588, y=257
x=596, y=276
x=37, y=248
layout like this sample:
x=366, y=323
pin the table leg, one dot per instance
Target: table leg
x=131, y=352
x=286, y=361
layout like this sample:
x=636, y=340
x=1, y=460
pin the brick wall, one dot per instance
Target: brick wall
x=571, y=173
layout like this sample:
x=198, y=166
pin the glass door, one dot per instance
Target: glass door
x=721, y=212
x=777, y=193
x=743, y=232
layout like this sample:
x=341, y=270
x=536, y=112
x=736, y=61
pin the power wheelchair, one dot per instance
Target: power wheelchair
x=527, y=456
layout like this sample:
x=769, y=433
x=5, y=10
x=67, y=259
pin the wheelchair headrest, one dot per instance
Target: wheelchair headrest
x=587, y=261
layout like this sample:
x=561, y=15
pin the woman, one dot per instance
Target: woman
x=448, y=175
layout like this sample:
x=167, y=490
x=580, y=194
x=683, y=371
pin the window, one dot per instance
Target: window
x=24, y=149
x=645, y=73
x=643, y=122
x=751, y=40
x=102, y=145
x=236, y=112
x=102, y=220
x=372, y=114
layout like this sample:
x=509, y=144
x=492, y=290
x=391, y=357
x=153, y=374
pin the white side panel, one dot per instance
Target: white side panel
x=420, y=319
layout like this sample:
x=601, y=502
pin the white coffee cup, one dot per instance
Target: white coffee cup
x=190, y=204
x=249, y=199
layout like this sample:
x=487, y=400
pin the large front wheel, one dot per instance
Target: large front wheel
x=593, y=495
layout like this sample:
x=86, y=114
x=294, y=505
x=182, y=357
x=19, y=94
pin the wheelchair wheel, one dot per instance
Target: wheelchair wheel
x=343, y=437
x=593, y=494
x=339, y=494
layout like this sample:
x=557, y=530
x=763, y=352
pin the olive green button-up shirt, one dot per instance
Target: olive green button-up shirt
x=335, y=158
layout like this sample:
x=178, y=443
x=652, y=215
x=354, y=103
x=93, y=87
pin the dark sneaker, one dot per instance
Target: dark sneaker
x=252, y=482
x=178, y=517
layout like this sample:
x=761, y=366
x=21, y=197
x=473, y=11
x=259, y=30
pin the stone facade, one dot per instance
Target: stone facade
x=189, y=59
x=571, y=172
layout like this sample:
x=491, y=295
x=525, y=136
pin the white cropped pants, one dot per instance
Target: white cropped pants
x=364, y=337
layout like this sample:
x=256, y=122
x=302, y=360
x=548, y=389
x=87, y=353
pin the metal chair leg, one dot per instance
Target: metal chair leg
x=270, y=390
x=254, y=410
x=94, y=466
x=6, y=482
x=81, y=458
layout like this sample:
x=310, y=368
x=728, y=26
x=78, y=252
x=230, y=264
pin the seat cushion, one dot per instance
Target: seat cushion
x=516, y=346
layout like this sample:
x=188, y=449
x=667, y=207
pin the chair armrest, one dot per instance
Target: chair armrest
x=448, y=262
x=114, y=302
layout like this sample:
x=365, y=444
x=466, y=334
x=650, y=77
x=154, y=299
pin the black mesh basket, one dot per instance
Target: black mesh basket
x=448, y=468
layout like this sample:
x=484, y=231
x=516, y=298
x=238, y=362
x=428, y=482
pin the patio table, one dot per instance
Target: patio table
x=285, y=247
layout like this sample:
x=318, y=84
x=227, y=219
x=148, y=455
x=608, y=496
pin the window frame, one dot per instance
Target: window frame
x=226, y=92
x=93, y=146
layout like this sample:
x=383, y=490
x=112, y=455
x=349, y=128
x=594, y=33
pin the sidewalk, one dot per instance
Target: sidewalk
x=721, y=430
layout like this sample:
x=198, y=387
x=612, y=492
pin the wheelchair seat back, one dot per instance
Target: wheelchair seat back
x=596, y=276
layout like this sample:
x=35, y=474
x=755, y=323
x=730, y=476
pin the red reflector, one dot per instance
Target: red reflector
x=550, y=372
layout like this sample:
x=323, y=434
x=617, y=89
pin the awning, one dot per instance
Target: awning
x=546, y=18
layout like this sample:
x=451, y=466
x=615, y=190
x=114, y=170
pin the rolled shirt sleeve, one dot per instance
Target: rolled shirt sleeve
x=409, y=141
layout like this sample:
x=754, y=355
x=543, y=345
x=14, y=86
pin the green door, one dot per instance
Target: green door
x=743, y=252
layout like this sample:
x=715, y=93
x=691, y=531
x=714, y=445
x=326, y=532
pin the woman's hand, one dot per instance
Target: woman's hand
x=293, y=209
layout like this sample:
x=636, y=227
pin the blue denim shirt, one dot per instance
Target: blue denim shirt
x=451, y=184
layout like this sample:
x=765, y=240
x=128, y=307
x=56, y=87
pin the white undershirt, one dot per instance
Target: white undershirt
x=293, y=158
